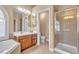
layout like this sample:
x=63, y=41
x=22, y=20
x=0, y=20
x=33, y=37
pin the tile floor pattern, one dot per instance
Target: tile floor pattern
x=42, y=49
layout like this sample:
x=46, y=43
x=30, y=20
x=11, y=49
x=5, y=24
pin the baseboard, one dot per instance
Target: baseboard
x=61, y=51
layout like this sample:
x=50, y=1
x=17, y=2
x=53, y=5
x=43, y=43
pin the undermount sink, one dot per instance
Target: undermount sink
x=22, y=33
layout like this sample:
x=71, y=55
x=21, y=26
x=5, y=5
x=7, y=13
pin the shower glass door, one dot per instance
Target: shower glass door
x=66, y=27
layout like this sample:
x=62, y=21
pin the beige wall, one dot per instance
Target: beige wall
x=44, y=24
x=39, y=8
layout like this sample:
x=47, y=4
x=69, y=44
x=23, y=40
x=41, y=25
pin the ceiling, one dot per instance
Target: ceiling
x=27, y=7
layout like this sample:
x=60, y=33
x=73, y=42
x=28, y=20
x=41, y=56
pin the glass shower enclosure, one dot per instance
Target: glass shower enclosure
x=67, y=31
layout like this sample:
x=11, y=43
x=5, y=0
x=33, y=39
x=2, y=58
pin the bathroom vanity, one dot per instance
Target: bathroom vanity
x=26, y=39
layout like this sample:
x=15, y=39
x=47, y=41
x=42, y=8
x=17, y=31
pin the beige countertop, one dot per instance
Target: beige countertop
x=23, y=33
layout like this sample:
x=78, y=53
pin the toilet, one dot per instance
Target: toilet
x=42, y=39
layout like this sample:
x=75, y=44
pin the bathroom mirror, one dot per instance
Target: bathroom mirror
x=25, y=23
x=22, y=22
x=24, y=19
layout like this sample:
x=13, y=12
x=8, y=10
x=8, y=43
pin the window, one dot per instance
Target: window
x=2, y=24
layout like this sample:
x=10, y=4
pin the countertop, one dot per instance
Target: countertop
x=23, y=33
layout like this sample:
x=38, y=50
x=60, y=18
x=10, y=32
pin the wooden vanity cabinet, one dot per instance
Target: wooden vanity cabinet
x=26, y=41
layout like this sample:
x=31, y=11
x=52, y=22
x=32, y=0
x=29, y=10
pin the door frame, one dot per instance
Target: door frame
x=38, y=25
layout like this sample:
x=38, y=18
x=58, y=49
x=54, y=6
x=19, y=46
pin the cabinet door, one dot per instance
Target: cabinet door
x=23, y=43
x=34, y=39
x=28, y=42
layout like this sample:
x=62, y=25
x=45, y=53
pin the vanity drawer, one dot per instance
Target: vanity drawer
x=24, y=37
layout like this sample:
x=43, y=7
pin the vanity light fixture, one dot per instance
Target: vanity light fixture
x=33, y=14
x=26, y=11
x=68, y=17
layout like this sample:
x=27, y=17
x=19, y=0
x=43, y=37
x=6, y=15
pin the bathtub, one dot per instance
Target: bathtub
x=9, y=47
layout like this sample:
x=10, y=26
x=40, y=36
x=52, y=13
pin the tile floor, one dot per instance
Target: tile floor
x=42, y=49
